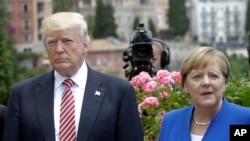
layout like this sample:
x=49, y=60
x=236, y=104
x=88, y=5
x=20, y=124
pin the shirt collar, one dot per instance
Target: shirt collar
x=79, y=78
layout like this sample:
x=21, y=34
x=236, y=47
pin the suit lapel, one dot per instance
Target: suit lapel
x=45, y=101
x=93, y=97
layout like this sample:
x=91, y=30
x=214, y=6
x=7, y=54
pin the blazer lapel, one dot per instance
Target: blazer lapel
x=45, y=101
x=93, y=97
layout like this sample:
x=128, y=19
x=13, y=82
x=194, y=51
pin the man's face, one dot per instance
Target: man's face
x=65, y=50
x=157, y=50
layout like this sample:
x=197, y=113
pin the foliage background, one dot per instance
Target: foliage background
x=7, y=60
x=177, y=17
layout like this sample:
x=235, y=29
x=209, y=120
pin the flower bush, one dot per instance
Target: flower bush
x=156, y=95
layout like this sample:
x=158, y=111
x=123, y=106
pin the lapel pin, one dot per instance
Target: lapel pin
x=97, y=93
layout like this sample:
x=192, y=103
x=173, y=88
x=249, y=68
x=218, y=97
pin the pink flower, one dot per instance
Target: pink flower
x=162, y=73
x=149, y=87
x=140, y=107
x=164, y=77
x=150, y=101
x=140, y=79
x=164, y=94
x=177, y=77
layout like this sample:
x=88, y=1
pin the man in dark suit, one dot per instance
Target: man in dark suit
x=2, y=117
x=104, y=107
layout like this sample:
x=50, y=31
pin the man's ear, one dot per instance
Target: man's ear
x=85, y=48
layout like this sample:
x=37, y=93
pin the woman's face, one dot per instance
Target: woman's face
x=206, y=86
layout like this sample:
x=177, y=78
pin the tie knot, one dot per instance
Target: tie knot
x=68, y=82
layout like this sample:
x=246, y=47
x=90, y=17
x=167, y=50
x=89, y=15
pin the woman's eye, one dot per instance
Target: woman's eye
x=196, y=76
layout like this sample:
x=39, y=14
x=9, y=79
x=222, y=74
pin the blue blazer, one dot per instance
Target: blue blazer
x=112, y=116
x=176, y=124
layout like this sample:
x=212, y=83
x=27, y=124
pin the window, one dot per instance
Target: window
x=101, y=61
x=26, y=38
x=9, y=9
x=27, y=50
x=143, y=1
x=25, y=8
x=26, y=24
x=39, y=23
x=86, y=2
x=39, y=36
x=40, y=7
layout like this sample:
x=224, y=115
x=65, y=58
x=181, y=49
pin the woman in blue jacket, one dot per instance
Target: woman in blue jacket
x=204, y=74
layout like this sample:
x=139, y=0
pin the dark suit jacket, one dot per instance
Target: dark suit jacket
x=112, y=116
x=2, y=117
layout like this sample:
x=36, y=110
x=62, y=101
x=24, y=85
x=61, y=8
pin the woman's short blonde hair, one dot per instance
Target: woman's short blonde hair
x=200, y=58
x=65, y=20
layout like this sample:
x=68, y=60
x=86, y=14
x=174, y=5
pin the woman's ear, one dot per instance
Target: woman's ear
x=225, y=86
x=185, y=88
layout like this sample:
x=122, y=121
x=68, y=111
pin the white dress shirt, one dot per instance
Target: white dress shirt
x=78, y=90
x=196, y=137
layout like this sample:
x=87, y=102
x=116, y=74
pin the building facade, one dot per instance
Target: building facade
x=217, y=21
x=26, y=18
x=127, y=10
